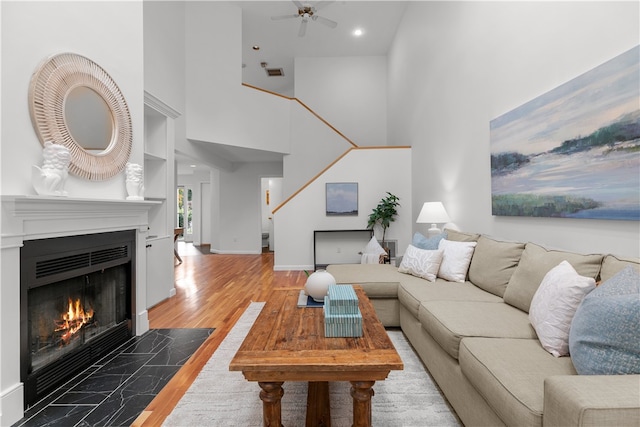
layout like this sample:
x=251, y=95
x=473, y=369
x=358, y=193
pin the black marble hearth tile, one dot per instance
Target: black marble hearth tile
x=110, y=376
x=81, y=398
x=184, y=342
x=114, y=413
x=56, y=416
x=125, y=404
x=101, y=383
x=151, y=341
x=125, y=364
x=47, y=400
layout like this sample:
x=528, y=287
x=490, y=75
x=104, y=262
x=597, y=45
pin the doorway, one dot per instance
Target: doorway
x=271, y=198
x=184, y=199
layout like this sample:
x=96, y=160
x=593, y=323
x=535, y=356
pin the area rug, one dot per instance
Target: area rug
x=219, y=397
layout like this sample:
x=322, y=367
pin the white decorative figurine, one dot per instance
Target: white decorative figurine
x=135, y=181
x=49, y=180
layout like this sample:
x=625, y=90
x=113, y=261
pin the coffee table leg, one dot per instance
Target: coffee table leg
x=318, y=406
x=271, y=395
x=361, y=391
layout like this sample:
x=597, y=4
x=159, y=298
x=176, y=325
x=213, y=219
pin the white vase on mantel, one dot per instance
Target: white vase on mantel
x=318, y=283
x=134, y=181
x=49, y=179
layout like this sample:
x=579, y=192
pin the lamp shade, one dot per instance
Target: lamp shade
x=433, y=213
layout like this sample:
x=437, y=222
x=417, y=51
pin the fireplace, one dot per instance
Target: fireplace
x=76, y=303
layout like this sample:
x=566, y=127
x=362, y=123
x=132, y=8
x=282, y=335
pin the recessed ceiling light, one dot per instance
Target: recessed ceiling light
x=193, y=166
x=255, y=47
x=358, y=32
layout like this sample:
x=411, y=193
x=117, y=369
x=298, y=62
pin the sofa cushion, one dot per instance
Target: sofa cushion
x=493, y=263
x=510, y=374
x=605, y=333
x=535, y=262
x=612, y=264
x=450, y=321
x=377, y=280
x=592, y=400
x=412, y=291
x=456, y=257
x=554, y=305
x=421, y=262
x=461, y=236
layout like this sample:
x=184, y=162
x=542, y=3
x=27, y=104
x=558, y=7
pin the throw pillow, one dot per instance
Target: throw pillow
x=554, y=305
x=430, y=243
x=456, y=257
x=371, y=253
x=493, y=263
x=605, y=332
x=535, y=262
x=421, y=263
x=373, y=247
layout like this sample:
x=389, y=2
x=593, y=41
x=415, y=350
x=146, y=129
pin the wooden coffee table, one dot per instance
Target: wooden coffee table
x=287, y=343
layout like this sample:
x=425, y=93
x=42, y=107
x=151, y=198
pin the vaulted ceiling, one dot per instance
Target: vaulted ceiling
x=279, y=43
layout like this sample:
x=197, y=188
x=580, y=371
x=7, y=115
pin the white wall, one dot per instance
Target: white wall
x=164, y=52
x=376, y=171
x=358, y=83
x=314, y=147
x=219, y=109
x=454, y=66
x=32, y=31
x=238, y=229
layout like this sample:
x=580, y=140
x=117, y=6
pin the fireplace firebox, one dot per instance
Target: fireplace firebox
x=76, y=305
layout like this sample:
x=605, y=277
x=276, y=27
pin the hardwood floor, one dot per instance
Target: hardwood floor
x=212, y=291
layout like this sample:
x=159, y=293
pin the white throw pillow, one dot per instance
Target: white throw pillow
x=553, y=305
x=456, y=257
x=421, y=263
x=373, y=247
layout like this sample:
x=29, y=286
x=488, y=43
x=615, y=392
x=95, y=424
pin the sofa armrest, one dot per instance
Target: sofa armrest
x=592, y=400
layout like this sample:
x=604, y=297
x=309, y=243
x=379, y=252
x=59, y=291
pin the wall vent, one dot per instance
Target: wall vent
x=274, y=72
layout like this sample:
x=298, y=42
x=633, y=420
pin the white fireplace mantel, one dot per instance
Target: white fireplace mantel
x=41, y=217
x=38, y=217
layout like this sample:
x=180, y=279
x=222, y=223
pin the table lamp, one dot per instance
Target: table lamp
x=433, y=213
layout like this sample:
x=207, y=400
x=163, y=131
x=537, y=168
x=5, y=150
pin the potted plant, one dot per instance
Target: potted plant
x=384, y=214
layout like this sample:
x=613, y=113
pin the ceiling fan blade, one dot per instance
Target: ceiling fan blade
x=303, y=28
x=325, y=21
x=298, y=4
x=277, y=18
x=322, y=4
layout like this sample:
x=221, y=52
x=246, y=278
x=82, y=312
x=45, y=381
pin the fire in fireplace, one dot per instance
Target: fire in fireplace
x=76, y=305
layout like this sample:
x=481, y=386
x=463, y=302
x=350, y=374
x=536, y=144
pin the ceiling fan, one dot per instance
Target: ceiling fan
x=306, y=12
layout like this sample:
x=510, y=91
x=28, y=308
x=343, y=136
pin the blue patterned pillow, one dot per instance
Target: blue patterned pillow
x=430, y=244
x=605, y=331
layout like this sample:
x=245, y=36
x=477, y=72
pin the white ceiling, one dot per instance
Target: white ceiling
x=280, y=44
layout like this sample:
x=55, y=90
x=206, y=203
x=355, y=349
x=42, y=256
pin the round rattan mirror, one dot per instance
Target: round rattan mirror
x=74, y=102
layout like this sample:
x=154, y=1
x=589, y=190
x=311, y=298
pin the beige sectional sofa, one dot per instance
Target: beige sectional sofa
x=476, y=340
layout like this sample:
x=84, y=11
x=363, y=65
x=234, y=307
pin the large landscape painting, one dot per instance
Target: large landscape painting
x=574, y=151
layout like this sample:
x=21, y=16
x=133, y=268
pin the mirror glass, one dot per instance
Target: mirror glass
x=88, y=119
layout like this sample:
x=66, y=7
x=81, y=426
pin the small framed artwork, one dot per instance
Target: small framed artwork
x=342, y=199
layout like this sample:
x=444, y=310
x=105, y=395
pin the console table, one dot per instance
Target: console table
x=339, y=246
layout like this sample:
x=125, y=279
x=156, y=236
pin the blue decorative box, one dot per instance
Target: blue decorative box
x=342, y=325
x=342, y=300
x=342, y=317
